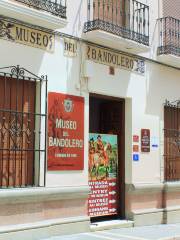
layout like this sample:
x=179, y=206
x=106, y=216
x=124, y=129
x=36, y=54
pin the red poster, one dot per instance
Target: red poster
x=103, y=162
x=65, y=132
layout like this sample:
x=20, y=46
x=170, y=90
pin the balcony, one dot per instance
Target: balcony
x=169, y=41
x=45, y=13
x=122, y=24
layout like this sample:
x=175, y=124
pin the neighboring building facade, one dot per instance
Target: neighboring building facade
x=80, y=81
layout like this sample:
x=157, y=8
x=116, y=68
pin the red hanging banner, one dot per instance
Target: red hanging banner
x=65, y=132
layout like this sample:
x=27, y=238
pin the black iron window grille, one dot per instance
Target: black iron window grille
x=23, y=112
x=169, y=36
x=125, y=18
x=55, y=7
x=172, y=141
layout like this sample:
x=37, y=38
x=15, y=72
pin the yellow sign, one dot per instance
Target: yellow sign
x=114, y=59
x=70, y=47
x=27, y=36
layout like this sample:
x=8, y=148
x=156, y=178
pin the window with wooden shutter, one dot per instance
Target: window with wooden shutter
x=20, y=129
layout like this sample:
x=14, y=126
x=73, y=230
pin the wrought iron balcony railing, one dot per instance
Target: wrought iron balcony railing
x=169, y=39
x=55, y=7
x=126, y=18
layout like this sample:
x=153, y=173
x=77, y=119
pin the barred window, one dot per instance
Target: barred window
x=22, y=128
x=172, y=141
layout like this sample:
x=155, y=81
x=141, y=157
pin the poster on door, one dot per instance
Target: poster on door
x=65, y=132
x=103, y=164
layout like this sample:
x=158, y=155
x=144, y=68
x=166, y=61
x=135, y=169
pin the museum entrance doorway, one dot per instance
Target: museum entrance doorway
x=106, y=158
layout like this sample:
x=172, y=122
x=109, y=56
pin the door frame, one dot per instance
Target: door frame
x=121, y=160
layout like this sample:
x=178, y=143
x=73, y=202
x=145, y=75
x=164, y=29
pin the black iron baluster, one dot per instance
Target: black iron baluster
x=133, y=13
x=129, y=14
x=88, y=10
x=94, y=8
x=165, y=40
x=99, y=9
x=116, y=12
x=112, y=5
x=161, y=33
x=140, y=22
x=178, y=37
x=103, y=8
x=148, y=24
x=144, y=20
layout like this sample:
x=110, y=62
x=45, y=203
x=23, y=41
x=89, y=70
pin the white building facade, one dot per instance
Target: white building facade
x=122, y=59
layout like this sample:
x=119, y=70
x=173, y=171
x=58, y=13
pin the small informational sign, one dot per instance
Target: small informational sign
x=145, y=140
x=70, y=47
x=65, y=132
x=136, y=157
x=103, y=162
x=135, y=148
x=155, y=142
x=135, y=138
x=25, y=35
x=114, y=59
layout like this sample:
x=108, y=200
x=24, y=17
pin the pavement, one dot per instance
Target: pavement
x=156, y=232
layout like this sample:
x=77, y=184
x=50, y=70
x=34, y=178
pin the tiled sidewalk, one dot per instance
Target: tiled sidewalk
x=156, y=232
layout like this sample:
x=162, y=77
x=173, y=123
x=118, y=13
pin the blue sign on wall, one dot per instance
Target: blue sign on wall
x=136, y=157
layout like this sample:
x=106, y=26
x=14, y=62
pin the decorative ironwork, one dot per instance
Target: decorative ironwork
x=20, y=72
x=128, y=19
x=55, y=7
x=20, y=126
x=172, y=140
x=169, y=36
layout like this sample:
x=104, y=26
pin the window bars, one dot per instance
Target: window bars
x=23, y=111
x=55, y=7
x=126, y=18
x=169, y=36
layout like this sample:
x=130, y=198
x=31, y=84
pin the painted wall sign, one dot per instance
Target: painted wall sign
x=114, y=59
x=27, y=36
x=103, y=160
x=70, y=47
x=135, y=138
x=135, y=148
x=65, y=132
x=145, y=140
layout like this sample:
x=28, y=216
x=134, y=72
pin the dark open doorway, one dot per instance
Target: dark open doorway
x=107, y=116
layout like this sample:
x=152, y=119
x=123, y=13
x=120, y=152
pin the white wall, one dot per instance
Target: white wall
x=144, y=95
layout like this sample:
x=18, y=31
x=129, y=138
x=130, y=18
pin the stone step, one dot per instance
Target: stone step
x=106, y=225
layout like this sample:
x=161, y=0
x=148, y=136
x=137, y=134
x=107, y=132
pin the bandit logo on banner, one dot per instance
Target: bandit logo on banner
x=103, y=161
x=65, y=132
